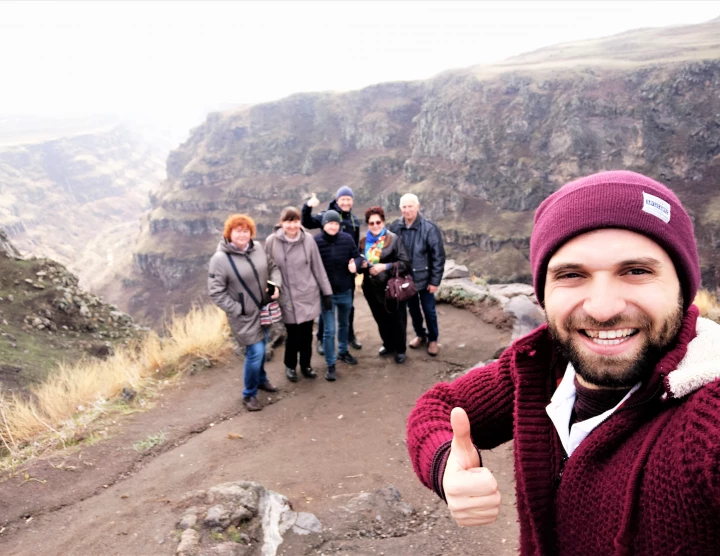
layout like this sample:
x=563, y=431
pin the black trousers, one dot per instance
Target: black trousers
x=391, y=325
x=351, y=332
x=299, y=340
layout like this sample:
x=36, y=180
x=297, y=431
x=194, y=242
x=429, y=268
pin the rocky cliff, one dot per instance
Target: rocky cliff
x=481, y=147
x=74, y=193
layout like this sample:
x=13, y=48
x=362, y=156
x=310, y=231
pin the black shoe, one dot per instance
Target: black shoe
x=291, y=374
x=400, y=358
x=268, y=387
x=355, y=344
x=347, y=358
x=330, y=373
x=384, y=352
x=320, y=348
x=309, y=373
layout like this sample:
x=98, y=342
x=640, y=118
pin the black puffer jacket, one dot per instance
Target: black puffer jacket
x=350, y=223
x=336, y=252
x=394, y=254
x=425, y=248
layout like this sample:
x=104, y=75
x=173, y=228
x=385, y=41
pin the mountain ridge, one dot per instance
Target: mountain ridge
x=481, y=150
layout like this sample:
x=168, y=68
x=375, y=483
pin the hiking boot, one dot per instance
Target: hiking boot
x=384, y=352
x=355, y=344
x=330, y=373
x=268, y=387
x=252, y=403
x=309, y=373
x=400, y=358
x=320, y=348
x=291, y=374
x=417, y=341
x=433, y=348
x=347, y=358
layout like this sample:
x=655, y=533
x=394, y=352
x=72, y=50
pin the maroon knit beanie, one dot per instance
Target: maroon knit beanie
x=617, y=199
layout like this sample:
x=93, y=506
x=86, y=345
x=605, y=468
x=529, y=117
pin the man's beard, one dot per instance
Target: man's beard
x=617, y=371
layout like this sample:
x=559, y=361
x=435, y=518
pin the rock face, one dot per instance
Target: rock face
x=481, y=147
x=77, y=197
x=7, y=249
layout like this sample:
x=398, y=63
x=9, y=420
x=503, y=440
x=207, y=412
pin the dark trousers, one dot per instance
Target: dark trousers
x=351, y=334
x=392, y=326
x=299, y=340
x=427, y=300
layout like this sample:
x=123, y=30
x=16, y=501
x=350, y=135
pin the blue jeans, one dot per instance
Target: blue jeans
x=343, y=303
x=351, y=333
x=255, y=366
x=427, y=300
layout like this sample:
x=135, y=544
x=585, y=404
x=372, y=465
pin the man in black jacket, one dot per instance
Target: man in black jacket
x=424, y=244
x=337, y=249
x=349, y=223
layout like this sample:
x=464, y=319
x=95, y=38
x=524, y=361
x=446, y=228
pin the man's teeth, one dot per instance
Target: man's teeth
x=610, y=337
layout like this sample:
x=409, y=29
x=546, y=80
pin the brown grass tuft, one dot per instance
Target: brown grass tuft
x=73, y=389
x=708, y=305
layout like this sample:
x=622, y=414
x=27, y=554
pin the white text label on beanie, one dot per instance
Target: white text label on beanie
x=656, y=206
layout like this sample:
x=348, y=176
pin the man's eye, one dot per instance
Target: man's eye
x=638, y=271
x=567, y=276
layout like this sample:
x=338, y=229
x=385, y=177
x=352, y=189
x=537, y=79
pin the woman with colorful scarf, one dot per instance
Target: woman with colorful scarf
x=384, y=254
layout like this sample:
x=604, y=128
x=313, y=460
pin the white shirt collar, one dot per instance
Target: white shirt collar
x=560, y=410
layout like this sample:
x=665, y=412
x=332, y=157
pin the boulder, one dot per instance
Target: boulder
x=453, y=270
x=266, y=517
x=511, y=290
x=528, y=315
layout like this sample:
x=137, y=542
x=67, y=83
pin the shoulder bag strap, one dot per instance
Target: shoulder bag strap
x=244, y=285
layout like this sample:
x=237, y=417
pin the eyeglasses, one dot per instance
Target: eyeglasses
x=375, y=223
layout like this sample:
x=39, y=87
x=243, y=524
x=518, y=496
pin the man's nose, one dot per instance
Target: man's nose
x=604, y=299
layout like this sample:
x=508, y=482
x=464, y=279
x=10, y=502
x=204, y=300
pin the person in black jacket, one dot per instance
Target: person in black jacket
x=424, y=245
x=349, y=223
x=337, y=251
x=384, y=254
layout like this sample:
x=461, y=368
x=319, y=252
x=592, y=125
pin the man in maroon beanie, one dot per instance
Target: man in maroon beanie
x=613, y=405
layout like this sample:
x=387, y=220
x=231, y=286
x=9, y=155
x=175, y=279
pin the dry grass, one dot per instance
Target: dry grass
x=708, y=304
x=74, y=393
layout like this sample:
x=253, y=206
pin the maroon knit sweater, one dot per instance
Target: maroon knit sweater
x=645, y=482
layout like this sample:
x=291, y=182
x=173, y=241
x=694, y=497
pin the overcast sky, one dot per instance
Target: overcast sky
x=173, y=57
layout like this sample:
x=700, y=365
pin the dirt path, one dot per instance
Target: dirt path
x=108, y=499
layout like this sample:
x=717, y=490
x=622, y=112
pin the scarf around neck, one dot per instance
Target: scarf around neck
x=374, y=246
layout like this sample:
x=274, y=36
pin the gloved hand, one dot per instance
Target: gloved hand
x=327, y=302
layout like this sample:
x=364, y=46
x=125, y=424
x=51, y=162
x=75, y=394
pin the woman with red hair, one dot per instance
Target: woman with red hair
x=237, y=283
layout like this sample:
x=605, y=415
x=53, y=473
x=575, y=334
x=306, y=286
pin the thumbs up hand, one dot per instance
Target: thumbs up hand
x=313, y=201
x=471, y=491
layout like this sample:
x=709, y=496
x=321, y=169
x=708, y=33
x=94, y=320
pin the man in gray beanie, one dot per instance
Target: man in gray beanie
x=349, y=223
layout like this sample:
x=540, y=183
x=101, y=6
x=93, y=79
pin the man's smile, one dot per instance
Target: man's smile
x=610, y=337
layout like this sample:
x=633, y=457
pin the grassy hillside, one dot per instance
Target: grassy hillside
x=45, y=319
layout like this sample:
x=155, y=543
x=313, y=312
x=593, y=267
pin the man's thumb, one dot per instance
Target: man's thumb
x=462, y=447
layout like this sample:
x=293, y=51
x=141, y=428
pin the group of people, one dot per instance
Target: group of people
x=313, y=277
x=613, y=405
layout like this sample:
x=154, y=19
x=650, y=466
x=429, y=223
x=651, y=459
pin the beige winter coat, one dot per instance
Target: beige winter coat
x=228, y=293
x=303, y=275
